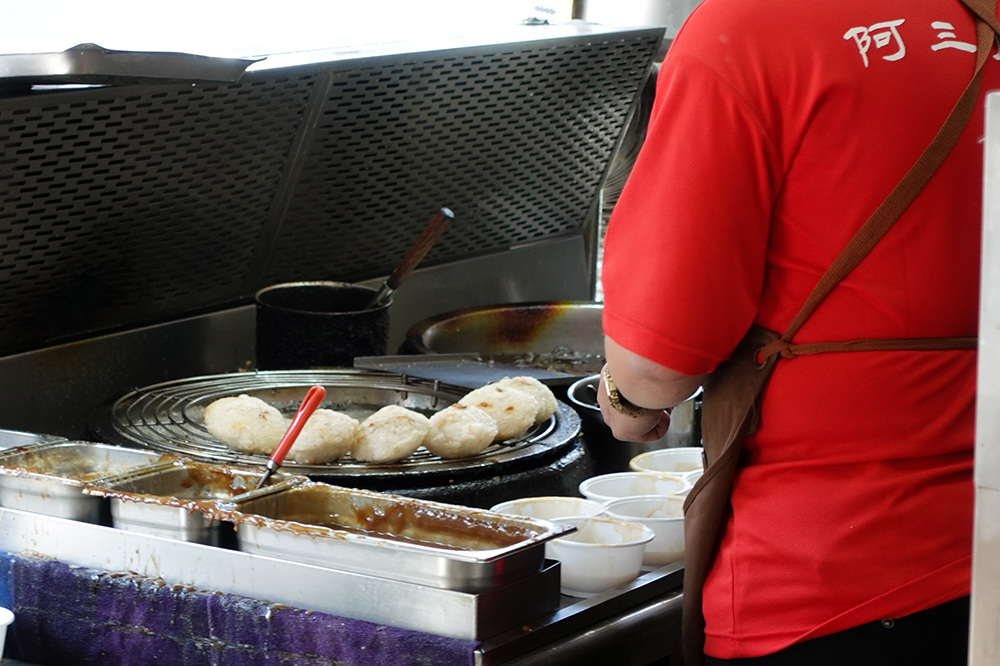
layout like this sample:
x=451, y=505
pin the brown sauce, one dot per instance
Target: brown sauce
x=313, y=511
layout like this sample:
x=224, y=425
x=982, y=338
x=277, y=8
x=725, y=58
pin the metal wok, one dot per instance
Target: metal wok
x=562, y=340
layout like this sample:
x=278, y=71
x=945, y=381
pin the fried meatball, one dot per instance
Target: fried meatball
x=547, y=404
x=246, y=424
x=326, y=436
x=390, y=434
x=514, y=410
x=460, y=431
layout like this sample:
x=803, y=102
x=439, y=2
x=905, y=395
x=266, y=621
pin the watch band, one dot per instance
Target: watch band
x=617, y=400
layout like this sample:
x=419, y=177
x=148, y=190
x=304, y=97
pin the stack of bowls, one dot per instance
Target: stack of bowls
x=606, y=487
x=603, y=553
x=664, y=516
x=686, y=462
x=652, y=495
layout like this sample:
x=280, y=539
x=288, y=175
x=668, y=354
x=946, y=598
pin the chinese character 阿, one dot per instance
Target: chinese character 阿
x=881, y=34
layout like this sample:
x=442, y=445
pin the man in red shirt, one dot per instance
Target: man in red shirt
x=779, y=127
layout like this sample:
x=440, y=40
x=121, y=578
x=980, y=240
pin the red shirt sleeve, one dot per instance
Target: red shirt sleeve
x=686, y=245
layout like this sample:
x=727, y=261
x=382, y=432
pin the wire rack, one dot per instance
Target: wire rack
x=168, y=417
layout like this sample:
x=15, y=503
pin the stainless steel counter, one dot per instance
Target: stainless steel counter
x=637, y=624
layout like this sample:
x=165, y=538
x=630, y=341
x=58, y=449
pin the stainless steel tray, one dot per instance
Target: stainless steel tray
x=171, y=501
x=49, y=477
x=417, y=541
x=394, y=603
x=10, y=439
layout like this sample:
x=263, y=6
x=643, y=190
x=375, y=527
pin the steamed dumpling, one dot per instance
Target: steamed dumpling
x=547, y=403
x=326, y=436
x=390, y=434
x=514, y=410
x=246, y=424
x=460, y=431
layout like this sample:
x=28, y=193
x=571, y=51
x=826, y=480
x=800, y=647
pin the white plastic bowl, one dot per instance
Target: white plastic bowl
x=663, y=515
x=6, y=618
x=606, y=487
x=672, y=461
x=549, y=508
x=602, y=554
x=693, y=476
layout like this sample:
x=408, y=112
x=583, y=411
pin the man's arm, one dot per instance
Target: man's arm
x=645, y=384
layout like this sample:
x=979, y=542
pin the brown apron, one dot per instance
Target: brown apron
x=731, y=399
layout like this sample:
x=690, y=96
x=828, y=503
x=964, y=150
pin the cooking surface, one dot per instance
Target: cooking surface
x=467, y=370
x=168, y=417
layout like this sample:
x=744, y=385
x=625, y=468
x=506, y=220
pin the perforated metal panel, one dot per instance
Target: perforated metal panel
x=513, y=140
x=129, y=205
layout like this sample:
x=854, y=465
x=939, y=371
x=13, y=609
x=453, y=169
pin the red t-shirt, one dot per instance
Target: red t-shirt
x=779, y=127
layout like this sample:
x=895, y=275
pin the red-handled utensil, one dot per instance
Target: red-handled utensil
x=314, y=396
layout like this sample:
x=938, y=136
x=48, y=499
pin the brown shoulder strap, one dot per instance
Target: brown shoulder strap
x=986, y=10
x=903, y=194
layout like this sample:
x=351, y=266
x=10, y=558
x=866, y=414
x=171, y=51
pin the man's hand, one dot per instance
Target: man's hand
x=647, y=427
x=645, y=384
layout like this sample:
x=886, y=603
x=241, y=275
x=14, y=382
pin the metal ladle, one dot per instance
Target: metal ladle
x=417, y=251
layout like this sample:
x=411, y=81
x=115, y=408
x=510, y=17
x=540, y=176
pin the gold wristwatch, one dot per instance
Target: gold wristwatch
x=617, y=400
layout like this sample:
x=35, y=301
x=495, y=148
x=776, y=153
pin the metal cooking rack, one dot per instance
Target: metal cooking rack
x=168, y=417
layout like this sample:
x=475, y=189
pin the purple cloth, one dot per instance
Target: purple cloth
x=67, y=615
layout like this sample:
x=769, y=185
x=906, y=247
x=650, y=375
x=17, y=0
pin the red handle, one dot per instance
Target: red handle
x=314, y=396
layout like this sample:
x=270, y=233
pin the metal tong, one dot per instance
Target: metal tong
x=314, y=396
x=417, y=251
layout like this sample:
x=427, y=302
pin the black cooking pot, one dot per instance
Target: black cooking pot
x=303, y=325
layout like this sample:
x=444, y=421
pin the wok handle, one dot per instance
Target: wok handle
x=420, y=248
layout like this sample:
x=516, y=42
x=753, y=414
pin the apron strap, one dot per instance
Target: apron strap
x=787, y=350
x=905, y=191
